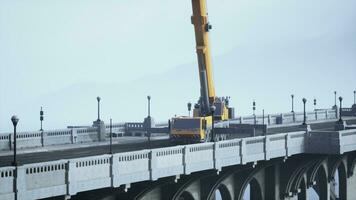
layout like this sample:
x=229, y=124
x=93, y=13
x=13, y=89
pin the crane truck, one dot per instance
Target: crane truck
x=209, y=109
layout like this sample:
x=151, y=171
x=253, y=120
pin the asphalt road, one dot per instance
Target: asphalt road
x=81, y=152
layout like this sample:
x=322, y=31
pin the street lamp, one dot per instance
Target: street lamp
x=212, y=109
x=149, y=105
x=148, y=121
x=354, y=97
x=335, y=98
x=292, y=103
x=15, y=120
x=340, y=115
x=41, y=118
x=305, y=114
x=110, y=136
x=189, y=105
x=98, y=99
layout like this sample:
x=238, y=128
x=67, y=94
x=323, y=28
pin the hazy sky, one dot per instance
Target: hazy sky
x=48, y=47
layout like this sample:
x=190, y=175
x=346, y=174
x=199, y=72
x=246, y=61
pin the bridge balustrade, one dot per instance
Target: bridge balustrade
x=131, y=166
x=198, y=157
x=42, y=180
x=90, y=134
x=167, y=162
x=228, y=153
x=7, y=182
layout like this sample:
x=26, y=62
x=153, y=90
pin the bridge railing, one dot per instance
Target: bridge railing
x=90, y=134
x=68, y=177
x=287, y=118
x=47, y=138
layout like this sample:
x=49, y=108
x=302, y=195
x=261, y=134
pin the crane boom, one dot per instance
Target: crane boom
x=199, y=128
x=201, y=25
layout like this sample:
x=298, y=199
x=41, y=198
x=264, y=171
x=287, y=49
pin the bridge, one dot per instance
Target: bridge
x=280, y=163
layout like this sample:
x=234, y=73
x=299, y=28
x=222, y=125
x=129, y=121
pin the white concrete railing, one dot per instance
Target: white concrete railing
x=68, y=177
x=51, y=137
x=287, y=118
x=90, y=134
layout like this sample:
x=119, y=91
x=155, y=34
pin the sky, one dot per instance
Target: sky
x=61, y=54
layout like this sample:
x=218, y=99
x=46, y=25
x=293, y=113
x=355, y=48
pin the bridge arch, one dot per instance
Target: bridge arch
x=251, y=178
x=297, y=177
x=340, y=168
x=256, y=190
x=320, y=180
x=302, y=194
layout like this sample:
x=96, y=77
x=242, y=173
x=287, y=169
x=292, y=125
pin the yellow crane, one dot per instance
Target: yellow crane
x=209, y=107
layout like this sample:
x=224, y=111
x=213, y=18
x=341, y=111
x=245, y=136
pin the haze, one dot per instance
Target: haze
x=61, y=54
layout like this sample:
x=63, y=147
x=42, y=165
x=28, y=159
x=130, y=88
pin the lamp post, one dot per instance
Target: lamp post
x=292, y=103
x=149, y=105
x=189, y=105
x=335, y=98
x=305, y=114
x=41, y=118
x=110, y=136
x=98, y=99
x=212, y=109
x=15, y=120
x=340, y=115
x=148, y=121
x=354, y=97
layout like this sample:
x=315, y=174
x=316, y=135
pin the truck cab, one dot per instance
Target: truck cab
x=190, y=129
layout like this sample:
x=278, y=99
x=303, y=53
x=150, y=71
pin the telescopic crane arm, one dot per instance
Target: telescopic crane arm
x=202, y=27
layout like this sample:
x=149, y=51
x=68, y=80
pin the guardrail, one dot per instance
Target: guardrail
x=286, y=118
x=69, y=177
x=81, y=134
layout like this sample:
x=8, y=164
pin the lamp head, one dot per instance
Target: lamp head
x=14, y=120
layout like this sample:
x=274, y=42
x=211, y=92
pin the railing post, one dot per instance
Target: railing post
x=326, y=114
x=184, y=152
x=114, y=171
x=242, y=151
x=21, y=182
x=266, y=147
x=10, y=141
x=269, y=119
x=287, y=144
x=43, y=135
x=282, y=118
x=215, y=155
x=241, y=120
x=70, y=178
x=152, y=164
x=294, y=117
x=73, y=134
